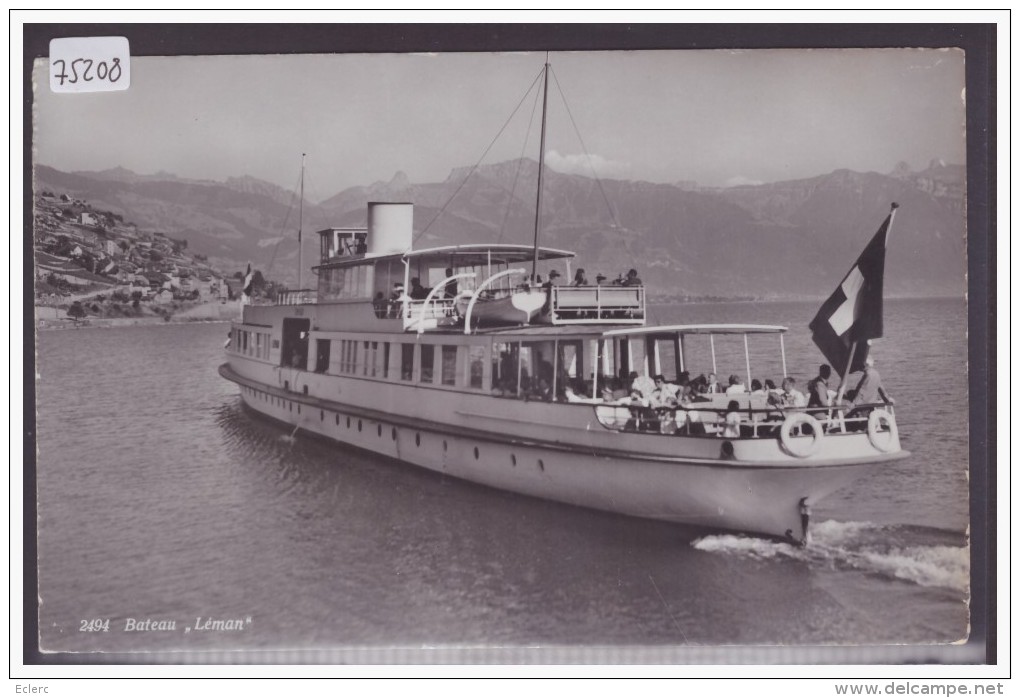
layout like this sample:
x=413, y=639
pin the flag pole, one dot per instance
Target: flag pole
x=853, y=346
x=846, y=374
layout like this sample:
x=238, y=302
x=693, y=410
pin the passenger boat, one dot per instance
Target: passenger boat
x=494, y=380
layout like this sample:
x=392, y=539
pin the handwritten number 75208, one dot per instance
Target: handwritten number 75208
x=82, y=69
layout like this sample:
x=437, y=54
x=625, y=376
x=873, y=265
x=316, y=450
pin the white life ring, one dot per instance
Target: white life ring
x=797, y=447
x=875, y=420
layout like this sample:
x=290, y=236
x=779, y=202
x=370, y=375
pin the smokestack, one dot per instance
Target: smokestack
x=390, y=227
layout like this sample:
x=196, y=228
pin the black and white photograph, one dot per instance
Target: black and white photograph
x=503, y=356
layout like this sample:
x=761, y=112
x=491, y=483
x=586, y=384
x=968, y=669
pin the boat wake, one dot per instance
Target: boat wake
x=915, y=554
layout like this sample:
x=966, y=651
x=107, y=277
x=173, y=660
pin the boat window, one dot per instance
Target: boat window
x=570, y=369
x=428, y=359
x=476, y=366
x=504, y=369
x=449, y=365
x=665, y=358
x=321, y=355
x=537, y=372
x=406, y=361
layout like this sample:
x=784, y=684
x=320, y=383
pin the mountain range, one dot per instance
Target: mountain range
x=783, y=239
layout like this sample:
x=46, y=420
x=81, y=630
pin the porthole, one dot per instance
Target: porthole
x=322, y=416
x=476, y=453
x=513, y=460
x=417, y=439
x=379, y=430
x=348, y=422
x=290, y=406
x=338, y=420
x=541, y=465
x=445, y=446
x=394, y=433
x=359, y=425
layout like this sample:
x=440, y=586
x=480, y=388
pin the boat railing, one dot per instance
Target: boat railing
x=755, y=423
x=426, y=314
x=624, y=305
x=300, y=296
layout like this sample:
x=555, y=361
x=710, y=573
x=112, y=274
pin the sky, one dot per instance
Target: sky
x=715, y=117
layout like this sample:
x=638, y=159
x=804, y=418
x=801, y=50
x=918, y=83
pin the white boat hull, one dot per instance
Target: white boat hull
x=764, y=498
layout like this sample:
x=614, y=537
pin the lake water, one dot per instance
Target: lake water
x=160, y=498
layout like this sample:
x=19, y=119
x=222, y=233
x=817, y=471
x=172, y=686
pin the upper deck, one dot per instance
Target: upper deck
x=378, y=278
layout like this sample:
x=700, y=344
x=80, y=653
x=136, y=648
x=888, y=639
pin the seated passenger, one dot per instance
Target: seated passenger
x=575, y=392
x=643, y=417
x=580, y=279
x=418, y=292
x=735, y=387
x=733, y=418
x=788, y=396
x=757, y=388
x=397, y=300
x=542, y=390
x=818, y=387
x=632, y=279
x=614, y=391
x=450, y=290
x=663, y=394
x=380, y=305
x=642, y=384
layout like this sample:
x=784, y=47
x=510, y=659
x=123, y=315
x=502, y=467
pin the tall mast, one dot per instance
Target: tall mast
x=301, y=212
x=541, y=165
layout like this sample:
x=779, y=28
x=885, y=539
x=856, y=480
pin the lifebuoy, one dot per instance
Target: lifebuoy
x=799, y=447
x=875, y=420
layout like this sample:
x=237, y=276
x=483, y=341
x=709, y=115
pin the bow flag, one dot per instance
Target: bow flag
x=854, y=310
x=246, y=290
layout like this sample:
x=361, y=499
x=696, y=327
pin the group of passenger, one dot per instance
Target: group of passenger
x=653, y=401
x=581, y=279
x=393, y=307
x=656, y=404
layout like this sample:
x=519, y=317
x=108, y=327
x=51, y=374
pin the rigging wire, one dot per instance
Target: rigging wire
x=587, y=155
x=286, y=218
x=475, y=166
x=517, y=174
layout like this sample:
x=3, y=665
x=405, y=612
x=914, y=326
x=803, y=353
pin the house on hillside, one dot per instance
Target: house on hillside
x=87, y=218
x=156, y=280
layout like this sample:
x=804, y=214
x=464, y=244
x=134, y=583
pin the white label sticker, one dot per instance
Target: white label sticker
x=90, y=64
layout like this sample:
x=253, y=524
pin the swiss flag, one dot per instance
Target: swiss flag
x=853, y=312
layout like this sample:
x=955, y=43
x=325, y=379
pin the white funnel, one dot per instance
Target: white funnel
x=390, y=227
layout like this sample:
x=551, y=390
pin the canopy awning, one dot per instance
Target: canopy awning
x=698, y=329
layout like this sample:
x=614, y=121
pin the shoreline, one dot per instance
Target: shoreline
x=107, y=323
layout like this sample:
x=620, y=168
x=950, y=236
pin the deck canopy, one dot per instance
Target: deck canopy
x=698, y=329
x=464, y=255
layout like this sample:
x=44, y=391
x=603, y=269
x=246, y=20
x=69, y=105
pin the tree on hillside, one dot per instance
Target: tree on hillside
x=124, y=245
x=76, y=312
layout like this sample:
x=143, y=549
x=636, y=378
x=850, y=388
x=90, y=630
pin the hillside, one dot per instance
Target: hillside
x=778, y=239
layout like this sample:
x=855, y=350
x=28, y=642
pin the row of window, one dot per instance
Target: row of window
x=436, y=364
x=250, y=343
